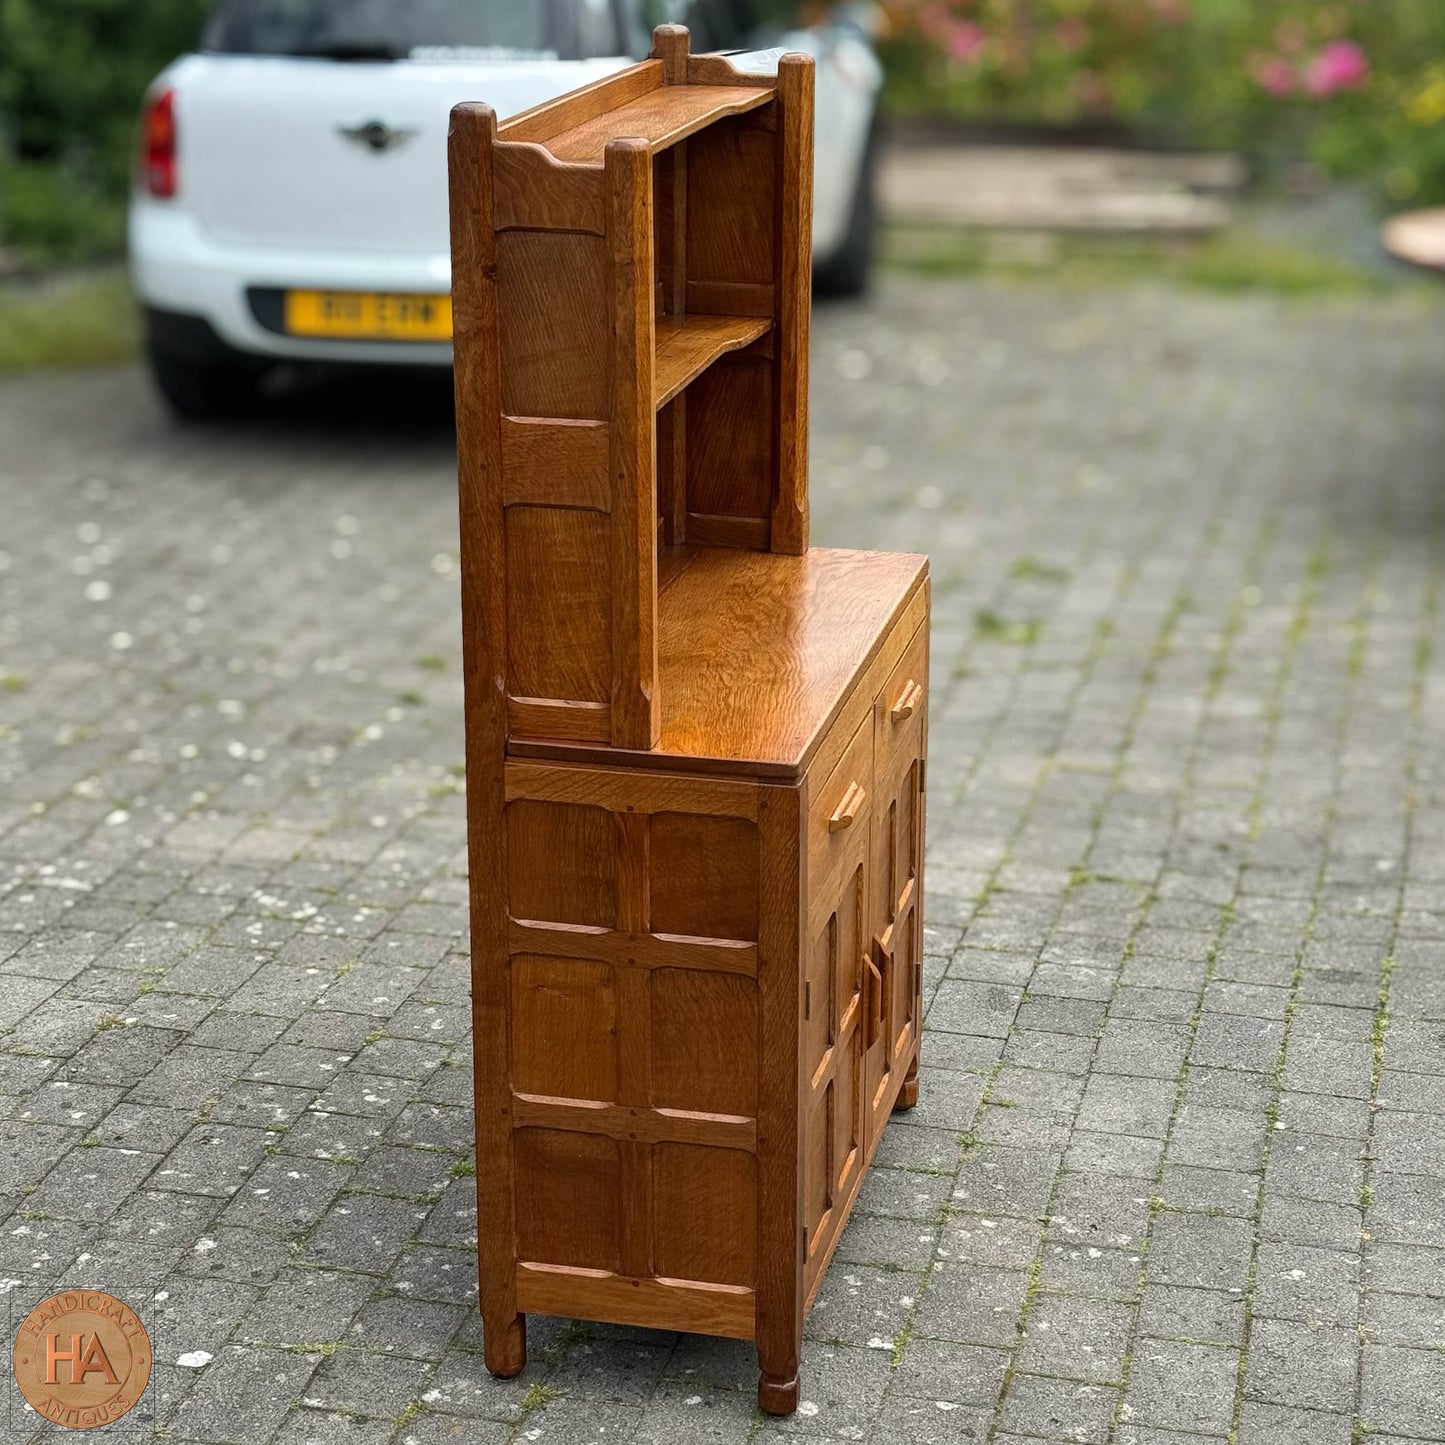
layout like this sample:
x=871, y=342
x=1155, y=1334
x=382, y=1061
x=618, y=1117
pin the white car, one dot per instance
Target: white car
x=291, y=192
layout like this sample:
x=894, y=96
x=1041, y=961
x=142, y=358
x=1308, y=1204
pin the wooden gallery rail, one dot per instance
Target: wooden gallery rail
x=695, y=748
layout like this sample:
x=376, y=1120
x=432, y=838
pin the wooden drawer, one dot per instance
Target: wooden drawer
x=900, y=711
x=839, y=810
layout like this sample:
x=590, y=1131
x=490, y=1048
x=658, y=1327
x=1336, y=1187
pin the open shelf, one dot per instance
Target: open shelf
x=688, y=345
x=662, y=118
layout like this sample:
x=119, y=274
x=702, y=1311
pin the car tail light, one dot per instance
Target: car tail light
x=158, y=145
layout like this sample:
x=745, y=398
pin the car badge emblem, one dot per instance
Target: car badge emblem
x=377, y=136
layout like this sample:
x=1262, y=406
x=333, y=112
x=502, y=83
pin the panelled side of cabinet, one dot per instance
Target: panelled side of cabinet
x=636, y=917
x=566, y=335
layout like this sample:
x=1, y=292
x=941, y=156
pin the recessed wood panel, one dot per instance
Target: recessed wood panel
x=908, y=826
x=704, y=1042
x=704, y=876
x=705, y=1212
x=561, y=863
x=564, y=1028
x=553, y=323
x=817, y=1149
x=852, y=942
x=569, y=1192
x=730, y=440
x=730, y=205
x=559, y=599
x=820, y=1006
x=846, y=1121
x=555, y=463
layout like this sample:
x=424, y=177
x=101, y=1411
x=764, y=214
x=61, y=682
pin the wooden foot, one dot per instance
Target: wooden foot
x=505, y=1347
x=908, y=1094
x=777, y=1397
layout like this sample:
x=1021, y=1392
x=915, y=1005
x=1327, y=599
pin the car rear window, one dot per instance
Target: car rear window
x=421, y=29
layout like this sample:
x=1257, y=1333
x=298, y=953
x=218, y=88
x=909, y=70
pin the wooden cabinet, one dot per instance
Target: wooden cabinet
x=696, y=748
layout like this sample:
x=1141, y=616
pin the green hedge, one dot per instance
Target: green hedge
x=72, y=74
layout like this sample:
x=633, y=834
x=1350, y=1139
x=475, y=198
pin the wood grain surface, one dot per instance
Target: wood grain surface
x=758, y=652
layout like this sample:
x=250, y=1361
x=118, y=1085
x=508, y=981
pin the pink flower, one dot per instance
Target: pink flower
x=1273, y=73
x=1341, y=65
x=966, y=41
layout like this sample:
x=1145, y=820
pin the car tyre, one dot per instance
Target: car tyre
x=204, y=391
x=848, y=271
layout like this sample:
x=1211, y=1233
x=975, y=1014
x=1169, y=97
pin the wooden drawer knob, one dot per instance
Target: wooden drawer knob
x=848, y=809
x=908, y=701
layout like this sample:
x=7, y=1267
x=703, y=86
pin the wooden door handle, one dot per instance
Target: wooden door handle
x=908, y=701
x=873, y=1019
x=848, y=809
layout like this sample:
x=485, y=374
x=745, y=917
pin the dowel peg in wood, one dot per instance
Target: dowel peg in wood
x=672, y=45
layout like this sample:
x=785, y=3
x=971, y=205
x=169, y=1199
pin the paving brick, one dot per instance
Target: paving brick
x=1059, y=1409
x=1175, y=799
x=242, y=1396
x=1182, y=1385
x=1288, y=1425
x=1174, y=1312
x=1301, y=1366
x=1200, y=1251
x=970, y=1304
x=1315, y=1286
x=1083, y=1338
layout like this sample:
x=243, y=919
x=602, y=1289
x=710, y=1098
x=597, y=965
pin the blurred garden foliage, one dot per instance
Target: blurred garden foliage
x=1358, y=85
x=72, y=74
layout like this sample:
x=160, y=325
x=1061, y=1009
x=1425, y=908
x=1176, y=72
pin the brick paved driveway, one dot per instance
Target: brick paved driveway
x=1179, y=1169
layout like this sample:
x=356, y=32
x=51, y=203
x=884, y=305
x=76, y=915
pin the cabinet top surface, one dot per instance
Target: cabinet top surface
x=758, y=651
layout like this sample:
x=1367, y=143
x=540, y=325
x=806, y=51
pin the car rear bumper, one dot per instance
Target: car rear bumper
x=178, y=271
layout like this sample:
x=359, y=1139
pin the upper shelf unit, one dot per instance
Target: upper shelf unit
x=631, y=273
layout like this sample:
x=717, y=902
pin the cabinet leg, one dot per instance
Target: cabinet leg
x=504, y=1345
x=908, y=1094
x=778, y=1395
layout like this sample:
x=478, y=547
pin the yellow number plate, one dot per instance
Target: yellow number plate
x=368, y=316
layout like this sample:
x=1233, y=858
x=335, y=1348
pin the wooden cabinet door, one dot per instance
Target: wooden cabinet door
x=896, y=874
x=836, y=997
x=834, y=1006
